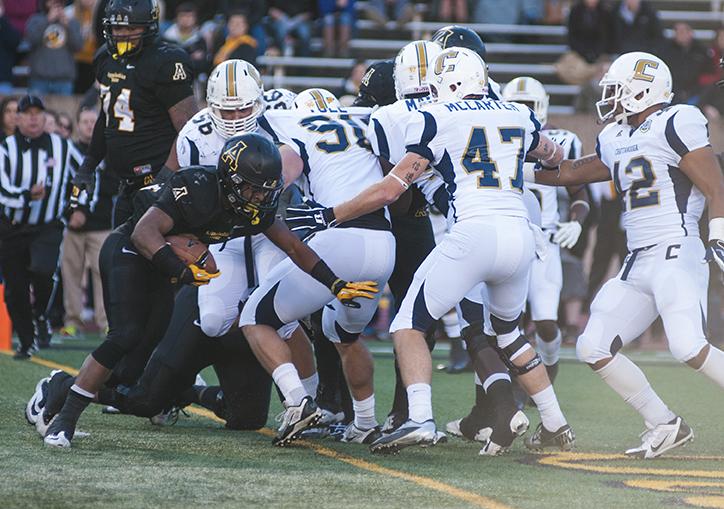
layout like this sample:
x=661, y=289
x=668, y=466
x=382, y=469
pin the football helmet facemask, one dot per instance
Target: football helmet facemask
x=234, y=85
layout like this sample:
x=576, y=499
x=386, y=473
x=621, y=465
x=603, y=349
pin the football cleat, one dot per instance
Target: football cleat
x=563, y=438
x=410, y=433
x=393, y=421
x=456, y=428
x=296, y=419
x=517, y=425
x=327, y=426
x=168, y=417
x=60, y=439
x=44, y=421
x=37, y=401
x=662, y=438
x=353, y=434
x=110, y=410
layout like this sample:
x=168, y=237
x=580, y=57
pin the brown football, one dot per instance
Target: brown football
x=190, y=250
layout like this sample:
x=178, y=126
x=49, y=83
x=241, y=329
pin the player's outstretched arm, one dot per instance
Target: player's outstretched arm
x=182, y=111
x=384, y=192
x=307, y=260
x=577, y=172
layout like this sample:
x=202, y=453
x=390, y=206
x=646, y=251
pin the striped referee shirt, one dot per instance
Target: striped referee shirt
x=48, y=159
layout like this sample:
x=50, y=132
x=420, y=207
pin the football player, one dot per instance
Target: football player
x=327, y=149
x=279, y=99
x=146, y=96
x=546, y=278
x=663, y=166
x=484, y=181
x=238, y=197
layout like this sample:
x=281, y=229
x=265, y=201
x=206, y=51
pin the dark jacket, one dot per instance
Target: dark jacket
x=686, y=66
x=644, y=34
x=9, y=41
x=589, y=31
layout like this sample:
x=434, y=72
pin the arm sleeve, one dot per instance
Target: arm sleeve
x=419, y=134
x=378, y=138
x=35, y=28
x=686, y=130
x=532, y=128
x=174, y=78
x=10, y=196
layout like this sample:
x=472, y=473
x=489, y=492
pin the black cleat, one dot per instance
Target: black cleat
x=563, y=438
x=296, y=419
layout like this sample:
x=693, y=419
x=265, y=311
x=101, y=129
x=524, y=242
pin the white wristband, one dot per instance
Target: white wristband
x=404, y=184
x=716, y=228
x=582, y=202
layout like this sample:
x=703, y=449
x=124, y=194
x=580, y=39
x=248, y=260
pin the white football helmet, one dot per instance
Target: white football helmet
x=635, y=81
x=457, y=73
x=317, y=100
x=413, y=65
x=235, y=85
x=528, y=90
x=279, y=99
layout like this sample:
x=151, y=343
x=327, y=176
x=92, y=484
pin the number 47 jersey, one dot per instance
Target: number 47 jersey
x=659, y=201
x=478, y=148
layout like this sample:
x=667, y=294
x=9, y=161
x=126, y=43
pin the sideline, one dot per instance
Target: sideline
x=425, y=482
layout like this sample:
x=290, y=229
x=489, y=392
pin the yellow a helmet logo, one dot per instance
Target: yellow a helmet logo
x=230, y=156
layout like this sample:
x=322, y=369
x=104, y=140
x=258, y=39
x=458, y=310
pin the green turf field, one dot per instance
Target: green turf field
x=127, y=462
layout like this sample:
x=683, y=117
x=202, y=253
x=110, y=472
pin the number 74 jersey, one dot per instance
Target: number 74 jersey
x=659, y=201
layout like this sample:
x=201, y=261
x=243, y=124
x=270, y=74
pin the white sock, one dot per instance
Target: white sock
x=713, y=365
x=549, y=409
x=310, y=384
x=627, y=379
x=364, y=413
x=549, y=352
x=287, y=379
x=419, y=397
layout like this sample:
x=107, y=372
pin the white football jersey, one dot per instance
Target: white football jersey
x=337, y=161
x=199, y=143
x=548, y=195
x=659, y=200
x=478, y=148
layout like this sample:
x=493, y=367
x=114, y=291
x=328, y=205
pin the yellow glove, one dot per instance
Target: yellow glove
x=201, y=276
x=346, y=292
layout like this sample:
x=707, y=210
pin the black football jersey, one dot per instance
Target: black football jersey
x=192, y=197
x=136, y=93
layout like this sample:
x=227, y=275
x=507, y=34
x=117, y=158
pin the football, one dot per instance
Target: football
x=190, y=250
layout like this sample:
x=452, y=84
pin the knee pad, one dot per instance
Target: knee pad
x=213, y=325
x=590, y=350
x=109, y=354
x=684, y=351
x=501, y=326
x=509, y=353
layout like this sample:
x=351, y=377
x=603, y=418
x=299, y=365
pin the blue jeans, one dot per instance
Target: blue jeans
x=45, y=87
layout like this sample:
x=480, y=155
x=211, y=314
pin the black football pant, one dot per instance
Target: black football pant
x=245, y=386
x=414, y=241
x=29, y=258
x=138, y=300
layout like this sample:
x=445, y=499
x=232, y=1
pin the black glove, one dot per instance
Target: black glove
x=85, y=177
x=308, y=218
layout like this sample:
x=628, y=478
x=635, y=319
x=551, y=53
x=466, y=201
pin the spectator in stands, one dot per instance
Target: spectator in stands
x=635, y=26
x=9, y=41
x=589, y=26
x=716, y=51
x=339, y=13
x=186, y=33
x=8, y=116
x=82, y=11
x=238, y=42
x=350, y=87
x=255, y=11
x=88, y=226
x=381, y=11
x=687, y=61
x=53, y=38
x=19, y=12
x=455, y=11
x=290, y=23
x=65, y=125
x=51, y=122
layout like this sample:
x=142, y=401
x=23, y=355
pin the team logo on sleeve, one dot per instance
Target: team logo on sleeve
x=179, y=72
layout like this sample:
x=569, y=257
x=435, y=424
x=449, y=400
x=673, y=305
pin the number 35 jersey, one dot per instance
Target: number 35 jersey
x=478, y=148
x=659, y=201
x=136, y=93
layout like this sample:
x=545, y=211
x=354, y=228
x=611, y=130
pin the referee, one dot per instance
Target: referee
x=35, y=170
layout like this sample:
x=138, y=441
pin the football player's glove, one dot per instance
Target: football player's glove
x=715, y=252
x=199, y=276
x=85, y=177
x=308, y=218
x=567, y=234
x=346, y=292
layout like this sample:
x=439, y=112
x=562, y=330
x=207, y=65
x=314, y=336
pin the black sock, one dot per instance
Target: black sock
x=68, y=417
x=58, y=392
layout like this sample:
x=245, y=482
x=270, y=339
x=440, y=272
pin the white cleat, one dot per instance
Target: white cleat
x=662, y=438
x=482, y=435
x=37, y=401
x=43, y=423
x=519, y=424
x=58, y=440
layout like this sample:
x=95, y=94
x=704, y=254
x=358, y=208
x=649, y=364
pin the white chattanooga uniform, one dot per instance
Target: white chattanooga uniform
x=477, y=147
x=337, y=166
x=243, y=261
x=546, y=277
x=664, y=273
